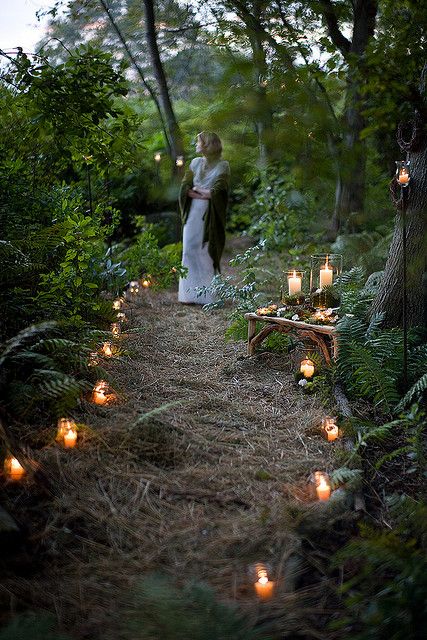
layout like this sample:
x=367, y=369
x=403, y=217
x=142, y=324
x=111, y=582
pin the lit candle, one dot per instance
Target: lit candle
x=263, y=586
x=180, y=161
x=157, y=156
x=325, y=275
x=64, y=425
x=134, y=287
x=115, y=329
x=331, y=429
x=294, y=284
x=70, y=438
x=323, y=488
x=106, y=349
x=99, y=392
x=117, y=304
x=13, y=468
x=307, y=367
x=145, y=283
x=403, y=176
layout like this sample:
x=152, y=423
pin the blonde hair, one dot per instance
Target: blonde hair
x=211, y=143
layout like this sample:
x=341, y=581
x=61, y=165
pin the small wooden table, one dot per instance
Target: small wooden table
x=324, y=336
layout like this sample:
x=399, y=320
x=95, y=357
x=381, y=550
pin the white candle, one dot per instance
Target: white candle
x=403, y=176
x=323, y=489
x=294, y=284
x=325, y=275
x=70, y=438
x=17, y=471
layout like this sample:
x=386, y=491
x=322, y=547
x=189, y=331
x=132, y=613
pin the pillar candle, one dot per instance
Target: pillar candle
x=294, y=284
x=325, y=275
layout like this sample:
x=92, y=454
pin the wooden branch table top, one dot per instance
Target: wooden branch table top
x=324, y=336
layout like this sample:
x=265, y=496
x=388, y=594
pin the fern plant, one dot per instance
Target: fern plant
x=387, y=577
x=161, y=610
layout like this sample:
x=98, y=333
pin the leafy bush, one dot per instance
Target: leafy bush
x=280, y=214
x=385, y=592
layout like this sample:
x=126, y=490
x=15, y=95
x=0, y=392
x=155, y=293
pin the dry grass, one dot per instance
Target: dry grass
x=198, y=491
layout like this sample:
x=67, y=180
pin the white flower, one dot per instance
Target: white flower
x=302, y=382
x=295, y=317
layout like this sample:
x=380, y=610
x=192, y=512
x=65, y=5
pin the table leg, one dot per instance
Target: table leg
x=251, y=335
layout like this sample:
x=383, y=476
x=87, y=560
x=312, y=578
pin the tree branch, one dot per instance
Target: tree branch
x=336, y=35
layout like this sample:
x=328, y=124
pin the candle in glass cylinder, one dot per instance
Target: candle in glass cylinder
x=325, y=275
x=331, y=429
x=294, y=283
x=323, y=488
x=99, y=392
x=106, y=349
x=117, y=304
x=116, y=329
x=307, y=367
x=263, y=586
x=70, y=438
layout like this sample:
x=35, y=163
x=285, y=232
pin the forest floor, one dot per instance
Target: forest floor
x=199, y=490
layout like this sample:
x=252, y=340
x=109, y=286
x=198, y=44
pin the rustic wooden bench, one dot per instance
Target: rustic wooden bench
x=324, y=336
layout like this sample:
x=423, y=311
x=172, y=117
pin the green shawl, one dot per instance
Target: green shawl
x=214, y=231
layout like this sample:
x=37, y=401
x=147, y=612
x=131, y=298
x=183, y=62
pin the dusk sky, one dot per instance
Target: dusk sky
x=19, y=25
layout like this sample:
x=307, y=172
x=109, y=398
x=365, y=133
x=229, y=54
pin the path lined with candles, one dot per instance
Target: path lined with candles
x=190, y=472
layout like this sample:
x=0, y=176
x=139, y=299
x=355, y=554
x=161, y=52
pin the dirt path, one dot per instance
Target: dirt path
x=196, y=490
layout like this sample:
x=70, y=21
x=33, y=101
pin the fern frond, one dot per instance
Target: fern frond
x=371, y=380
x=375, y=324
x=414, y=393
x=24, y=337
x=344, y=475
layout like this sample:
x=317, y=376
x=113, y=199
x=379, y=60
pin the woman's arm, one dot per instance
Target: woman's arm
x=205, y=193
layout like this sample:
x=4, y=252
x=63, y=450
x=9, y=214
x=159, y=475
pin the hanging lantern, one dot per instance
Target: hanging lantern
x=403, y=175
x=13, y=468
x=157, y=156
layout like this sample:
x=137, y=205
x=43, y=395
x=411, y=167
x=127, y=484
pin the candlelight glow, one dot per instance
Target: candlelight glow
x=99, y=393
x=331, y=429
x=116, y=329
x=106, y=349
x=323, y=487
x=263, y=586
x=307, y=368
x=13, y=468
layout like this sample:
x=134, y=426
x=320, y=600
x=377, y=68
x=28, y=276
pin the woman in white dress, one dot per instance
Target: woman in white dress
x=203, y=203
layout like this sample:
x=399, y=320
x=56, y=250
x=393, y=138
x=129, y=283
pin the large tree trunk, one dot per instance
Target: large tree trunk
x=171, y=123
x=390, y=295
x=350, y=194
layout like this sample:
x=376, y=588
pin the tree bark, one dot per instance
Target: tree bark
x=350, y=191
x=172, y=128
x=390, y=296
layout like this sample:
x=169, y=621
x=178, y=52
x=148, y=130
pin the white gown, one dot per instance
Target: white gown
x=195, y=254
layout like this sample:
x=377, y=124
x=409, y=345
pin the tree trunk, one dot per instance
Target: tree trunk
x=172, y=128
x=350, y=194
x=390, y=295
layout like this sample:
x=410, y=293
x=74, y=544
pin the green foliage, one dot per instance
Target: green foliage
x=161, y=610
x=145, y=256
x=44, y=370
x=280, y=214
x=385, y=593
x=32, y=626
